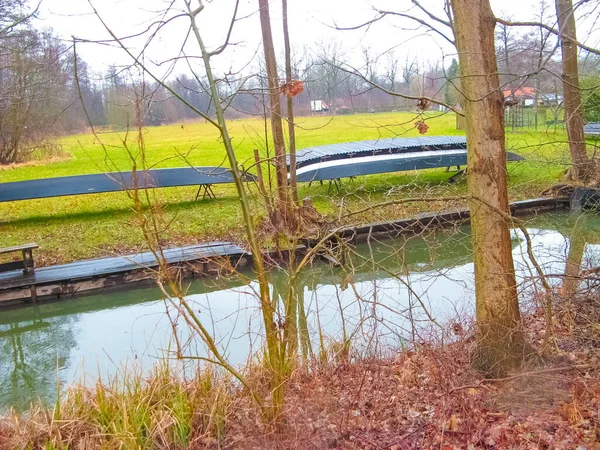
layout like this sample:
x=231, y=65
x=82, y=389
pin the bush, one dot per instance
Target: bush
x=590, y=93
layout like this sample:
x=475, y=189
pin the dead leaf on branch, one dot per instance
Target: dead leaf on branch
x=423, y=104
x=421, y=126
x=292, y=88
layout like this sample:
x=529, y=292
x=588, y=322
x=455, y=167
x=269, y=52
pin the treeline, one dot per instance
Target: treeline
x=41, y=97
x=326, y=76
x=526, y=60
x=37, y=92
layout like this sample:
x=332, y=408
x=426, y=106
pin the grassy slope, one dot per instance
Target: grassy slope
x=78, y=227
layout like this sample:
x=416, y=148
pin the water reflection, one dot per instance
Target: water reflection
x=32, y=353
x=387, y=287
x=584, y=233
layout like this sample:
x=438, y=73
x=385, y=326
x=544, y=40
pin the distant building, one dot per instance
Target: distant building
x=523, y=96
x=318, y=106
x=552, y=99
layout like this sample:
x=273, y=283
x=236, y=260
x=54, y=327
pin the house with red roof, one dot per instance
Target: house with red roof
x=523, y=96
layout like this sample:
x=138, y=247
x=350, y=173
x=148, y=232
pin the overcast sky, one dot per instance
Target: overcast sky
x=311, y=22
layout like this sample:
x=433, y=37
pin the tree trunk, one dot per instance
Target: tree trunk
x=501, y=344
x=268, y=312
x=582, y=165
x=290, y=103
x=275, y=106
x=577, y=243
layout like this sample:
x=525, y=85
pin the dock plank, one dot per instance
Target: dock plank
x=18, y=248
x=102, y=267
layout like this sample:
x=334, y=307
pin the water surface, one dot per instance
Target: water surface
x=382, y=301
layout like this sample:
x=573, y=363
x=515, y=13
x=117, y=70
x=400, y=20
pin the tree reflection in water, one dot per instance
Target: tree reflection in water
x=584, y=232
x=34, y=354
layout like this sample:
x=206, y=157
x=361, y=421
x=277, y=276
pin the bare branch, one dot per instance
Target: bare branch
x=419, y=21
x=232, y=23
x=149, y=72
x=355, y=72
x=433, y=16
x=548, y=28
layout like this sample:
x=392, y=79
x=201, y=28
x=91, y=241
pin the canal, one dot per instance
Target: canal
x=382, y=300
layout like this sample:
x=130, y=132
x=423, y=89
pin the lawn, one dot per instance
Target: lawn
x=70, y=228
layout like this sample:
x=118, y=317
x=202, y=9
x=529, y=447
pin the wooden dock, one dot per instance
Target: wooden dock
x=106, y=273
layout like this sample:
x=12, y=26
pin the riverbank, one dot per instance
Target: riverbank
x=106, y=274
x=427, y=397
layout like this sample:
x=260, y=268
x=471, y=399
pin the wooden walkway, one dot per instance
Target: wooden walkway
x=116, y=269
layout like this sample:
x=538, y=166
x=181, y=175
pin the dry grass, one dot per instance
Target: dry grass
x=426, y=398
x=130, y=411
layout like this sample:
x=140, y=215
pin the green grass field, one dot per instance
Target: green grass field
x=70, y=228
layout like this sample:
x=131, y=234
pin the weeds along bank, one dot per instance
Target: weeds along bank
x=427, y=397
x=72, y=228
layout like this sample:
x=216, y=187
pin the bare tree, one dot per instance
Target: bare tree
x=505, y=37
x=392, y=71
x=542, y=55
x=369, y=64
x=34, y=84
x=409, y=70
x=501, y=344
x=583, y=167
x=330, y=57
x=290, y=102
x=275, y=110
x=276, y=352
